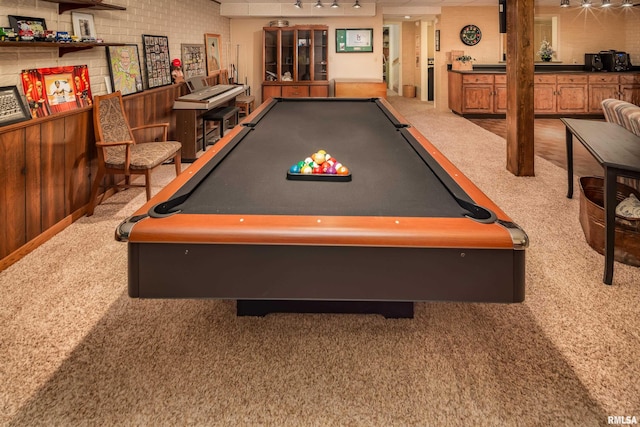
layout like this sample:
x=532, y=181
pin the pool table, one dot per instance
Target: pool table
x=408, y=226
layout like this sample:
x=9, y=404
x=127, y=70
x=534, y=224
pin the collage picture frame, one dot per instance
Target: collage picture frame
x=194, y=60
x=13, y=109
x=157, y=62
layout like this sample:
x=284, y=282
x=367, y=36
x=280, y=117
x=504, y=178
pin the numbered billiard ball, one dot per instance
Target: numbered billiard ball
x=294, y=169
x=318, y=158
x=343, y=170
x=306, y=170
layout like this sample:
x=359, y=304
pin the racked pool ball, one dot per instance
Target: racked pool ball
x=342, y=170
x=295, y=168
x=318, y=158
x=306, y=170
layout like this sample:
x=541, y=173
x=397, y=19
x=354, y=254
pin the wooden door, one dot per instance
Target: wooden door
x=500, y=94
x=573, y=93
x=544, y=94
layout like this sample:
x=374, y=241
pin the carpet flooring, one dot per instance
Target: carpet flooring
x=76, y=350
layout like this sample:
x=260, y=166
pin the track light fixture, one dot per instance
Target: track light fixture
x=318, y=4
x=564, y=3
x=357, y=4
x=606, y=3
x=298, y=4
x=335, y=4
x=627, y=3
x=586, y=3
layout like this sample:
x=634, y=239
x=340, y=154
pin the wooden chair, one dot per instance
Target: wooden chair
x=118, y=150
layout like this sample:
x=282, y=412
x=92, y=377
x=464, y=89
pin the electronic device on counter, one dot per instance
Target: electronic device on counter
x=592, y=62
x=614, y=60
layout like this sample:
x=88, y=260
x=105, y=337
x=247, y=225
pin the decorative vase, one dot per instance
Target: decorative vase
x=546, y=58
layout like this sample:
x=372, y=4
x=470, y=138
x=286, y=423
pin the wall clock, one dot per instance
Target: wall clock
x=470, y=35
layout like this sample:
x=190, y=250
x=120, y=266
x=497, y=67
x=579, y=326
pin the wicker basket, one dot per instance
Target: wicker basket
x=627, y=240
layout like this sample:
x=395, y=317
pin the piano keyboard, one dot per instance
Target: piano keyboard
x=208, y=98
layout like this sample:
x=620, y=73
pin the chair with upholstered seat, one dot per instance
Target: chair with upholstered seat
x=118, y=151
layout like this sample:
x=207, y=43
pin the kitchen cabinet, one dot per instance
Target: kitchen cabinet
x=555, y=94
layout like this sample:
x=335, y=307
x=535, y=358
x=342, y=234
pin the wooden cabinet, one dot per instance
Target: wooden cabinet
x=477, y=93
x=559, y=94
x=602, y=86
x=630, y=88
x=544, y=93
x=500, y=93
x=572, y=94
x=295, y=61
x=616, y=86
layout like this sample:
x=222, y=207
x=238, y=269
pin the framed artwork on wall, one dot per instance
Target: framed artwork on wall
x=56, y=89
x=12, y=107
x=83, y=26
x=212, y=45
x=156, y=58
x=124, y=68
x=354, y=40
x=194, y=61
x=437, y=40
x=26, y=26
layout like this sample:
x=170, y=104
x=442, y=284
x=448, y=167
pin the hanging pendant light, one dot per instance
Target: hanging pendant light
x=335, y=4
x=298, y=4
x=564, y=3
x=357, y=4
x=318, y=4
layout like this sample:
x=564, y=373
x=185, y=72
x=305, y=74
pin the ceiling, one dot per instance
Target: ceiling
x=403, y=3
x=392, y=10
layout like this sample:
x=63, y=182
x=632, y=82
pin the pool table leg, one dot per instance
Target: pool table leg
x=388, y=309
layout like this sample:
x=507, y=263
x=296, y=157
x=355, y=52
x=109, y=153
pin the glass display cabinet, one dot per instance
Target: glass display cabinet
x=295, y=61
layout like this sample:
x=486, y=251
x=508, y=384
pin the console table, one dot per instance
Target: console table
x=618, y=152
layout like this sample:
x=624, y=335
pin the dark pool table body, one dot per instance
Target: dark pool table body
x=408, y=227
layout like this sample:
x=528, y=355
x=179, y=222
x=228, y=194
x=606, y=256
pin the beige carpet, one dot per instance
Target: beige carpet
x=76, y=350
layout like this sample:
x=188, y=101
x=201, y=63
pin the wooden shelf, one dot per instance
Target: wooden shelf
x=66, y=5
x=63, y=48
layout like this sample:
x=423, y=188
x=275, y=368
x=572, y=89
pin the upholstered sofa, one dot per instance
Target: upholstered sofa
x=627, y=115
x=622, y=113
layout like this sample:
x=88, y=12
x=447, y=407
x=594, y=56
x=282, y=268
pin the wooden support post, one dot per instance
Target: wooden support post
x=520, y=68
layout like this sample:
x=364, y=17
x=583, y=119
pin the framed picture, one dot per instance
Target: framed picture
x=56, y=89
x=83, y=26
x=437, y=40
x=194, y=60
x=25, y=26
x=212, y=45
x=12, y=107
x=354, y=40
x=124, y=68
x=156, y=59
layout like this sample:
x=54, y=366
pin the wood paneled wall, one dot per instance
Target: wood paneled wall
x=47, y=166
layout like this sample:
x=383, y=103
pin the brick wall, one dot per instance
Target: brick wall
x=182, y=21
